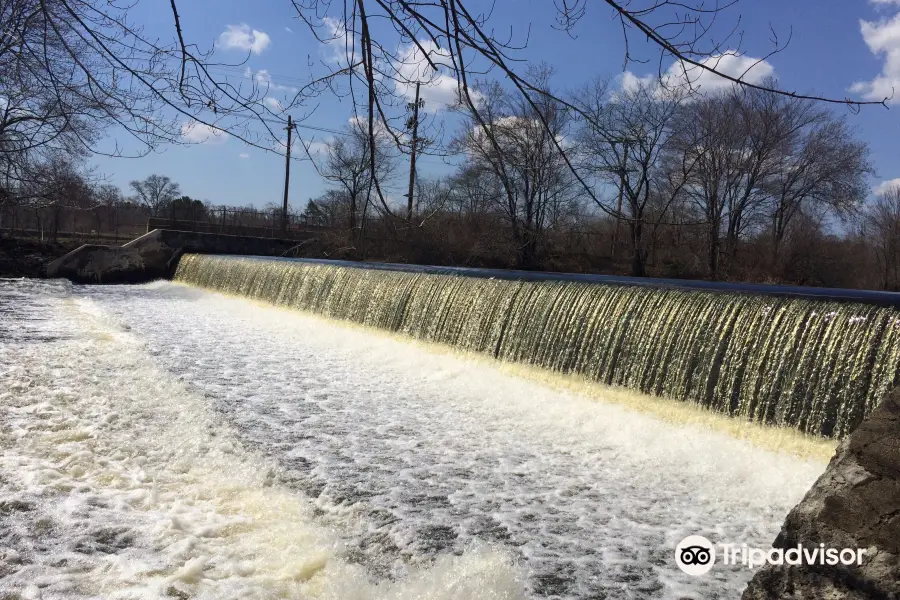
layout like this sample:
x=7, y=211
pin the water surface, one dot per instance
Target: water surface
x=160, y=440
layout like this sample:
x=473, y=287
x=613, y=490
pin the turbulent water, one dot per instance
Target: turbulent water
x=815, y=365
x=161, y=441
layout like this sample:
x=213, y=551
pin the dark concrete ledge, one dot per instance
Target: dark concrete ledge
x=854, y=504
x=155, y=255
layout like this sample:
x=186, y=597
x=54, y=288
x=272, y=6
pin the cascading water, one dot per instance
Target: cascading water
x=817, y=365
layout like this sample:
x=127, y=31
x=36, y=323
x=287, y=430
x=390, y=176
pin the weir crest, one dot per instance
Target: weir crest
x=819, y=366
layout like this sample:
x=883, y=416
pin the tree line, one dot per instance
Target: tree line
x=737, y=184
x=657, y=177
x=741, y=184
x=64, y=197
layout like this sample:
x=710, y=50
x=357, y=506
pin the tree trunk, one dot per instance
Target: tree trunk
x=713, y=259
x=638, y=255
x=352, y=216
x=528, y=252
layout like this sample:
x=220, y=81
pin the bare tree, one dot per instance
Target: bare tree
x=348, y=165
x=823, y=169
x=107, y=200
x=742, y=139
x=625, y=145
x=51, y=187
x=518, y=141
x=769, y=123
x=882, y=229
x=474, y=192
x=156, y=192
x=329, y=209
x=71, y=68
x=387, y=47
x=77, y=61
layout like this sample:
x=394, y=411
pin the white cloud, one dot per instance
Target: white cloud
x=884, y=186
x=362, y=124
x=338, y=42
x=280, y=145
x=696, y=79
x=273, y=104
x=751, y=70
x=289, y=30
x=241, y=37
x=264, y=79
x=317, y=147
x=885, y=2
x=510, y=131
x=883, y=39
x=199, y=133
x=243, y=156
x=631, y=82
x=438, y=89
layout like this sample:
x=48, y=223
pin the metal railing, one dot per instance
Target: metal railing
x=246, y=222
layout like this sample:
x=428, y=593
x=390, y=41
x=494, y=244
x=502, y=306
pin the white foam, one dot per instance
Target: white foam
x=374, y=469
x=116, y=481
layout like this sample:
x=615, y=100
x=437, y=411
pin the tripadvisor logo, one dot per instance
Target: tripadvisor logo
x=696, y=555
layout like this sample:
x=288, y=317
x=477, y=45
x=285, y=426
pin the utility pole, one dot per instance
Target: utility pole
x=412, y=157
x=287, y=176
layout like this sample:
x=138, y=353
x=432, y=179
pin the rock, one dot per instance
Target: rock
x=22, y=257
x=854, y=504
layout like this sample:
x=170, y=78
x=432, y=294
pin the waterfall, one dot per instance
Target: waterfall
x=820, y=366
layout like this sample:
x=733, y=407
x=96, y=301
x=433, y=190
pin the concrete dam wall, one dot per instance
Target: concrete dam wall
x=817, y=365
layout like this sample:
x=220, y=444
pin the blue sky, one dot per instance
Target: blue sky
x=838, y=48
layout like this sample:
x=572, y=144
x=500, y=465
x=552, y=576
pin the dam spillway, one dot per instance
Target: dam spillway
x=818, y=365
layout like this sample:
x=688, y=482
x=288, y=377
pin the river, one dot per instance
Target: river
x=160, y=441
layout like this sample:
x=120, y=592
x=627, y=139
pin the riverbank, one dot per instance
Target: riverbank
x=24, y=257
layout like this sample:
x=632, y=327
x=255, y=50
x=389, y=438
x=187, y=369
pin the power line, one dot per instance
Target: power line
x=324, y=130
x=310, y=127
x=229, y=70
